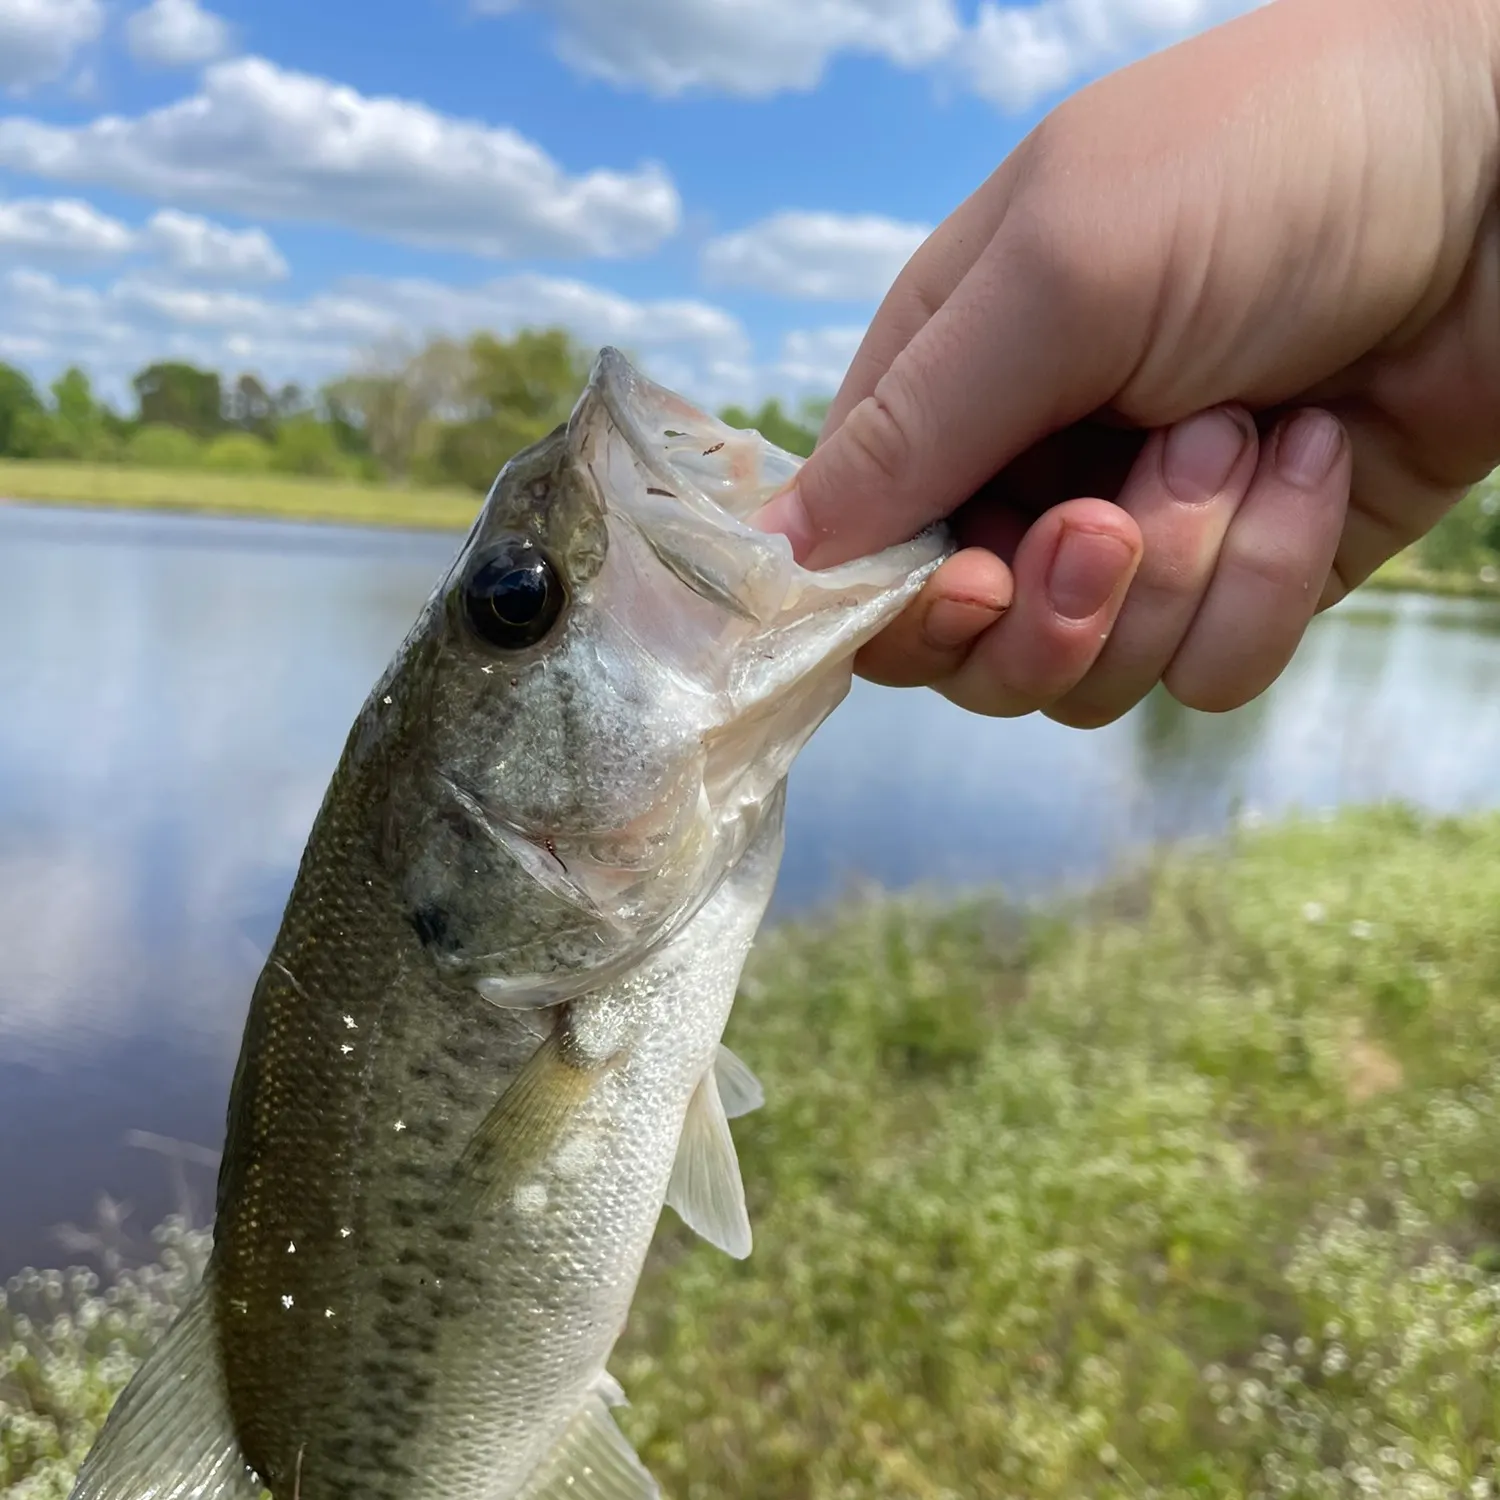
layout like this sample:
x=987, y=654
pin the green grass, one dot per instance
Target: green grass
x=273, y=496
x=1193, y=1190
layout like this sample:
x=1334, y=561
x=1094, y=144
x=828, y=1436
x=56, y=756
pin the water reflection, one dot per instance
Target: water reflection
x=174, y=694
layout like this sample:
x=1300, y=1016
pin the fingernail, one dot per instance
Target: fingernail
x=786, y=513
x=1308, y=447
x=1201, y=454
x=951, y=623
x=1086, y=570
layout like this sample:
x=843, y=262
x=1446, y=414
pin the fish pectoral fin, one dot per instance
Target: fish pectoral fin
x=525, y=1125
x=170, y=1435
x=593, y=1460
x=705, y=1189
x=739, y=1088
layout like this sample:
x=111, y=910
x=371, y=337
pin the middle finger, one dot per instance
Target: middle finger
x=1183, y=493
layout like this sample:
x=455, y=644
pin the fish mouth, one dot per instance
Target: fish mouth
x=766, y=644
x=698, y=483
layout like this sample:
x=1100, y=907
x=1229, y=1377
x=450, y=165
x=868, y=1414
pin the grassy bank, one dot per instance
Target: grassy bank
x=1405, y=574
x=269, y=496
x=1194, y=1191
x=290, y=498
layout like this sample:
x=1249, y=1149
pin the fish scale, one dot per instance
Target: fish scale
x=485, y=1051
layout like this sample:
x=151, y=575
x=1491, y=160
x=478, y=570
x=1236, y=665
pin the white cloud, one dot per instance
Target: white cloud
x=1012, y=55
x=201, y=248
x=1016, y=55
x=177, y=34
x=61, y=230
x=753, y=48
x=258, y=139
x=813, y=361
x=69, y=232
x=46, y=322
x=38, y=38
x=832, y=256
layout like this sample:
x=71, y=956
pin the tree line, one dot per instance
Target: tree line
x=449, y=412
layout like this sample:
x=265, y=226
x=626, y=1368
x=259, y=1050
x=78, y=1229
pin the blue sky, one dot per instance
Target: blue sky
x=725, y=187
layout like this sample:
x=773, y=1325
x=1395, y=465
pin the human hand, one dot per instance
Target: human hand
x=1244, y=297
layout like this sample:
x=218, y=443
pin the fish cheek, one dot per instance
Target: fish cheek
x=451, y=866
x=467, y=901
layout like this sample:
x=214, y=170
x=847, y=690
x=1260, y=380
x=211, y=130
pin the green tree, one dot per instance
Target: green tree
x=515, y=392
x=1463, y=541
x=398, y=400
x=18, y=400
x=250, y=407
x=304, y=445
x=344, y=421
x=174, y=394
x=79, y=421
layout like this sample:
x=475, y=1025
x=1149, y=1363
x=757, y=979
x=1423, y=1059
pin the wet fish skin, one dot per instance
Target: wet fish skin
x=485, y=1048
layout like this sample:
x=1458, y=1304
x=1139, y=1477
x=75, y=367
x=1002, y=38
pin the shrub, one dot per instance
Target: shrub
x=157, y=446
x=238, y=453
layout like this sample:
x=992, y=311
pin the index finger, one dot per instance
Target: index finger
x=926, y=282
x=1033, y=338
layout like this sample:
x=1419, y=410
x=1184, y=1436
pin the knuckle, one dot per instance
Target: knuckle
x=878, y=433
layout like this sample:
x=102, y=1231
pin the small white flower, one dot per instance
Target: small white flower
x=286, y=1300
x=1362, y=930
x=400, y=1126
x=1313, y=911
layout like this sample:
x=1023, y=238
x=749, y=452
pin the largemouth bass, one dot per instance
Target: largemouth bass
x=485, y=1048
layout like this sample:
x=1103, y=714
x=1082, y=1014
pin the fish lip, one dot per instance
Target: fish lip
x=615, y=383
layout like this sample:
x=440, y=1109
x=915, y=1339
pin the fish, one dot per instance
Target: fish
x=485, y=1050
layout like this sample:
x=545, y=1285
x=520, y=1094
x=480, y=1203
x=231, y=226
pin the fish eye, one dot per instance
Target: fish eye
x=514, y=596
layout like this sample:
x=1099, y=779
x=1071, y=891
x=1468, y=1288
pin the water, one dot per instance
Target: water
x=175, y=692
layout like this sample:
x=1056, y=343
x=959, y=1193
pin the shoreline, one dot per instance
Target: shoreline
x=316, y=502
x=268, y=497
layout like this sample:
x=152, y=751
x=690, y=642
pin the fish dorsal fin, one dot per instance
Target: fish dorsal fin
x=739, y=1088
x=170, y=1436
x=706, y=1190
x=593, y=1459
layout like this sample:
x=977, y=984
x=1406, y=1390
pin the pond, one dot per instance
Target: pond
x=174, y=693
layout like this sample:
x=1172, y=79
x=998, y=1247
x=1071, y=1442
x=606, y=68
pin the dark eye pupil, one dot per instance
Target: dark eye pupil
x=513, y=598
x=519, y=596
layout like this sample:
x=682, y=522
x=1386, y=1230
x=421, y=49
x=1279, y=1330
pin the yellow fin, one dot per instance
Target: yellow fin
x=526, y=1124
